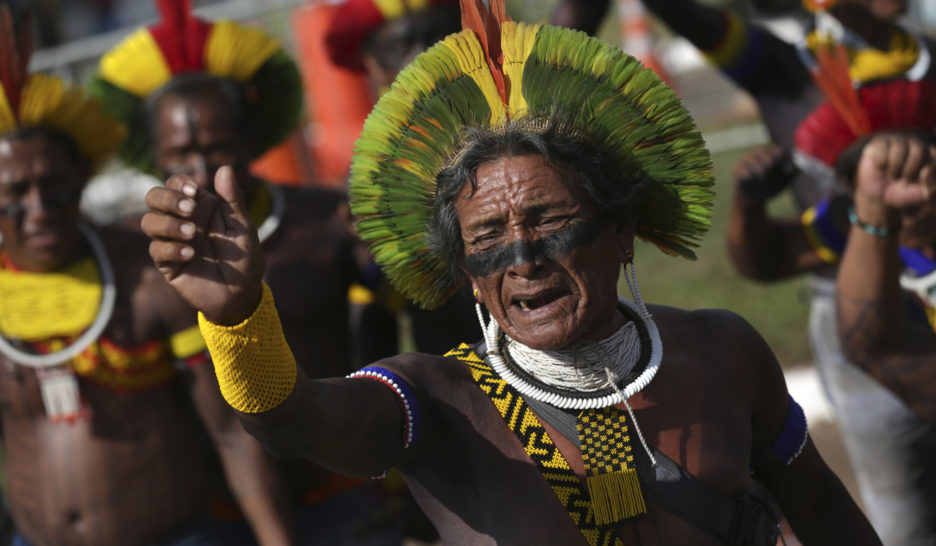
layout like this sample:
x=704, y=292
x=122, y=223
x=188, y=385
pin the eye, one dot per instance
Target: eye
x=486, y=240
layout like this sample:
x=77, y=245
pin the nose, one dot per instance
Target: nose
x=525, y=258
x=198, y=170
x=196, y=166
x=34, y=205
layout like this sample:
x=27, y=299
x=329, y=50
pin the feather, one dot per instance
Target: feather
x=833, y=78
x=15, y=50
x=486, y=24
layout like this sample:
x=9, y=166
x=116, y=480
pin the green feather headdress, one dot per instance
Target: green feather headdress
x=497, y=72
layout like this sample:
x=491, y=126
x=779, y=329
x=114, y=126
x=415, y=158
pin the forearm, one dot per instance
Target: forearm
x=259, y=489
x=324, y=421
x=871, y=319
x=764, y=249
x=702, y=25
x=873, y=328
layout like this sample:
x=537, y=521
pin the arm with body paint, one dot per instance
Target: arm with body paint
x=206, y=247
x=872, y=322
x=760, y=247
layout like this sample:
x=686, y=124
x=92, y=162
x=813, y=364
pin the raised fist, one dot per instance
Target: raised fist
x=763, y=173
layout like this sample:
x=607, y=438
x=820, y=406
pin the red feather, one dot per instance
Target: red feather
x=834, y=79
x=890, y=105
x=181, y=36
x=486, y=24
x=15, y=51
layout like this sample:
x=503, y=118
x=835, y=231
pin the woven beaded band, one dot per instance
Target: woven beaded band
x=404, y=393
x=877, y=231
x=792, y=439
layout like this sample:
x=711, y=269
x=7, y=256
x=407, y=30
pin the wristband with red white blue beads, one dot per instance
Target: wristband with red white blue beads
x=403, y=391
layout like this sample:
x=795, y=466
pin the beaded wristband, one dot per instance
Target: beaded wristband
x=408, y=402
x=877, y=231
x=255, y=368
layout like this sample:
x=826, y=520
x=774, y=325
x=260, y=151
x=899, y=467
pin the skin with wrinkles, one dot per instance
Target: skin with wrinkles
x=526, y=198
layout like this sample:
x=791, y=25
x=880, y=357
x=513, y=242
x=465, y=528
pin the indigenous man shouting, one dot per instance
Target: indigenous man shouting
x=524, y=159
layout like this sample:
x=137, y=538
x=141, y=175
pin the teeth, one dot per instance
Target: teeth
x=524, y=305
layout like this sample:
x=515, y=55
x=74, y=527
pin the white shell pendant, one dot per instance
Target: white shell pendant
x=60, y=396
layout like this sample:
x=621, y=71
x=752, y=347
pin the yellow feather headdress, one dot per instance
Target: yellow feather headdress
x=36, y=100
x=181, y=43
x=497, y=72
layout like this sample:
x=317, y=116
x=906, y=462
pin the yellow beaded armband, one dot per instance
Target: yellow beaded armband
x=255, y=368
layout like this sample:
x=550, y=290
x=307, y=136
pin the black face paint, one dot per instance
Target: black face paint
x=546, y=249
x=55, y=201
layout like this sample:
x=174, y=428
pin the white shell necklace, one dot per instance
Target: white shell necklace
x=586, y=375
x=554, y=377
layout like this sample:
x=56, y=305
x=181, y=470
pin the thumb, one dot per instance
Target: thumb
x=227, y=188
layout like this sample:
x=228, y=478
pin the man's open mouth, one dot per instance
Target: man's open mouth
x=530, y=302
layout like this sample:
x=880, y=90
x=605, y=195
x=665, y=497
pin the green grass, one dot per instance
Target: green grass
x=778, y=310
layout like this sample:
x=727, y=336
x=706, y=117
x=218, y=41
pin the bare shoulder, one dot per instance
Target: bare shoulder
x=712, y=328
x=151, y=294
x=722, y=341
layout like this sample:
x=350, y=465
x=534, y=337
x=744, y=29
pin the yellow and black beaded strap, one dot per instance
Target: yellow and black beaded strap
x=539, y=446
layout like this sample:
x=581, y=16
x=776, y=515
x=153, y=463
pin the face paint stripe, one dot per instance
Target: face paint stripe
x=545, y=249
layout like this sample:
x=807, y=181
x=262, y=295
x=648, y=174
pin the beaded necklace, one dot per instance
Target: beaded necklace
x=57, y=383
x=105, y=311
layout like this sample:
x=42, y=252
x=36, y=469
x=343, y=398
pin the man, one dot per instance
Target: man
x=237, y=97
x=872, y=407
x=778, y=77
x=106, y=385
x=471, y=168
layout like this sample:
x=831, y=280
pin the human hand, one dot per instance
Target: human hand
x=763, y=173
x=205, y=245
x=896, y=173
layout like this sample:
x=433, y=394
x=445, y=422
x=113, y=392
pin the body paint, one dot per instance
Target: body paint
x=63, y=199
x=550, y=248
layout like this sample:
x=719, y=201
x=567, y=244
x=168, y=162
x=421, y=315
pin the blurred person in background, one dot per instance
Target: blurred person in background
x=107, y=388
x=786, y=80
x=201, y=94
x=529, y=177
x=887, y=392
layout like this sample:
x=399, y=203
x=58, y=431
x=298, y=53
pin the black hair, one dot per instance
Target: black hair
x=615, y=190
x=392, y=44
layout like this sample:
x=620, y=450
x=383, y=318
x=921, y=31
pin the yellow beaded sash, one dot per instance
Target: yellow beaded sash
x=539, y=446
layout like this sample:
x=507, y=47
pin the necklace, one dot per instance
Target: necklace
x=581, y=388
x=272, y=194
x=106, y=310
